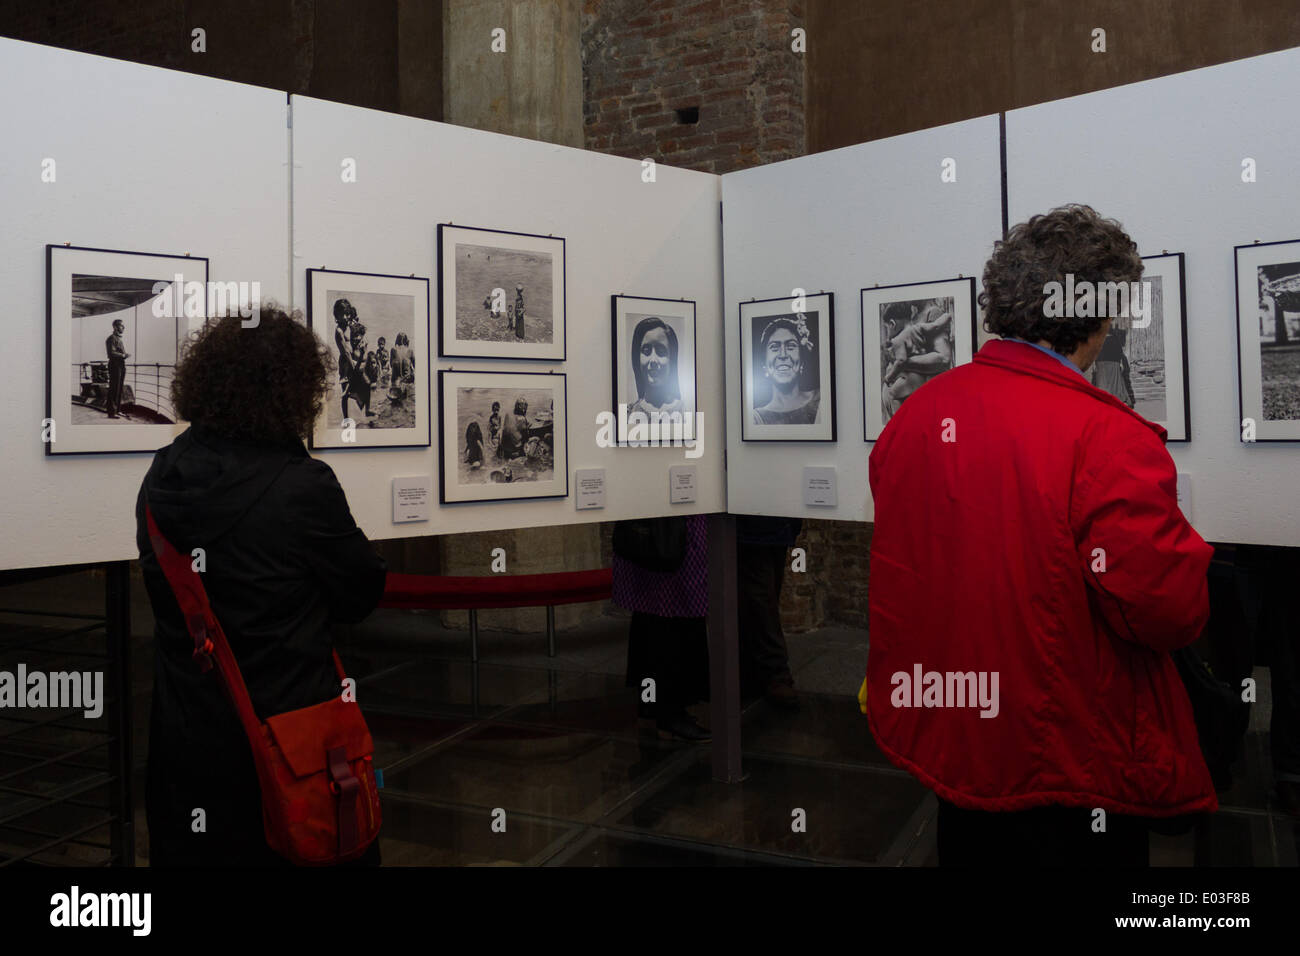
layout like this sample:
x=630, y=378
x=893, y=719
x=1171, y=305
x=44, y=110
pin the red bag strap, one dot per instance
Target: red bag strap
x=210, y=642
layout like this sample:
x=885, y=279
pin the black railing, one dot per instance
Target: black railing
x=150, y=385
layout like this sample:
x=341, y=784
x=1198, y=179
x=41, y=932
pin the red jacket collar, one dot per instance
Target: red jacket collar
x=1016, y=357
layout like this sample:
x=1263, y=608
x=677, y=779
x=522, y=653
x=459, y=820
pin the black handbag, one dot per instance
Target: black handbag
x=656, y=544
x=1220, y=713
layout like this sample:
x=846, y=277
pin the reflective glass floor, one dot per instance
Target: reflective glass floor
x=551, y=748
x=526, y=760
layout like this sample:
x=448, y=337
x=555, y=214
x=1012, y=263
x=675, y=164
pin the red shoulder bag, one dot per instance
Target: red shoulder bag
x=320, y=803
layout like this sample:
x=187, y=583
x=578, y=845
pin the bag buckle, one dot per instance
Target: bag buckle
x=198, y=628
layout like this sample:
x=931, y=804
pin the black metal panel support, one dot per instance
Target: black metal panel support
x=724, y=649
x=117, y=629
x=550, y=631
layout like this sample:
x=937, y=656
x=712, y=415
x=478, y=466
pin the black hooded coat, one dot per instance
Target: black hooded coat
x=284, y=561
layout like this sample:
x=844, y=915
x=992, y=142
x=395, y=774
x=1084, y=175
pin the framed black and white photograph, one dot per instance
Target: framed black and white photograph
x=787, y=368
x=1143, y=361
x=503, y=436
x=653, y=367
x=910, y=333
x=116, y=323
x=1268, y=339
x=500, y=294
x=377, y=330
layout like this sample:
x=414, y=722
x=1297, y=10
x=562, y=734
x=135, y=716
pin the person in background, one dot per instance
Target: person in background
x=514, y=431
x=284, y=561
x=494, y=423
x=383, y=360
x=474, y=444
x=117, y=356
x=1029, y=551
x=763, y=547
x=518, y=318
x=358, y=382
x=1111, y=371
x=668, y=639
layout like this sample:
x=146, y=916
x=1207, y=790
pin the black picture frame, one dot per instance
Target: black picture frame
x=1176, y=435
x=451, y=346
x=450, y=378
x=869, y=338
x=749, y=431
x=618, y=356
x=420, y=287
x=132, y=438
x=1248, y=259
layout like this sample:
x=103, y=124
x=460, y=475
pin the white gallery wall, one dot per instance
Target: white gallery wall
x=876, y=213
x=1164, y=157
x=144, y=160
x=150, y=160
x=622, y=235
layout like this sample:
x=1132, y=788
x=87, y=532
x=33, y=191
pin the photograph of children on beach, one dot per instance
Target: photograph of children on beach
x=503, y=435
x=501, y=294
x=376, y=328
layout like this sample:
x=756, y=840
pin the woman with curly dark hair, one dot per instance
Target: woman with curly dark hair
x=281, y=560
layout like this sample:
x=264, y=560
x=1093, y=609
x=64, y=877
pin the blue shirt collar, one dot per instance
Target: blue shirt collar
x=1052, y=352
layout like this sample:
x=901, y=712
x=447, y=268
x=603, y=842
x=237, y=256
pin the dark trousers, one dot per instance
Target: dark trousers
x=116, y=381
x=674, y=653
x=1042, y=837
x=760, y=572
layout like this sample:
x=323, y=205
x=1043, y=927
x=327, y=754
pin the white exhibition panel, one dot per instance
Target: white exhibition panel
x=622, y=235
x=1164, y=157
x=145, y=160
x=839, y=221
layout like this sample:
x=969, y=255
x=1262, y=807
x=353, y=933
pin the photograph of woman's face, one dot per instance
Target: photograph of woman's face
x=654, y=362
x=782, y=359
x=655, y=359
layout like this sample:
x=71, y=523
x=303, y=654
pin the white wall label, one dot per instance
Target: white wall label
x=681, y=483
x=819, y=487
x=1185, y=494
x=411, y=497
x=589, y=487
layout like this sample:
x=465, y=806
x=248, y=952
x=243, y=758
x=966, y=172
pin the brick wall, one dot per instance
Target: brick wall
x=644, y=60
x=834, y=588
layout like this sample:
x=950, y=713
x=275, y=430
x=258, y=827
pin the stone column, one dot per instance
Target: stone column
x=532, y=89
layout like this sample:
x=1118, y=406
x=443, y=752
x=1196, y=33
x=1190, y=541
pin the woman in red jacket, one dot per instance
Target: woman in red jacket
x=1030, y=573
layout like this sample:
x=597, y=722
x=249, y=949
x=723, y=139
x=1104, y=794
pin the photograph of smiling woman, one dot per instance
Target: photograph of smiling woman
x=788, y=366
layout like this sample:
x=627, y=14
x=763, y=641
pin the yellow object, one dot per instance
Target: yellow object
x=862, y=696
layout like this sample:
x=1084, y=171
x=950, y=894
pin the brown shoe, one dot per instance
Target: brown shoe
x=781, y=693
